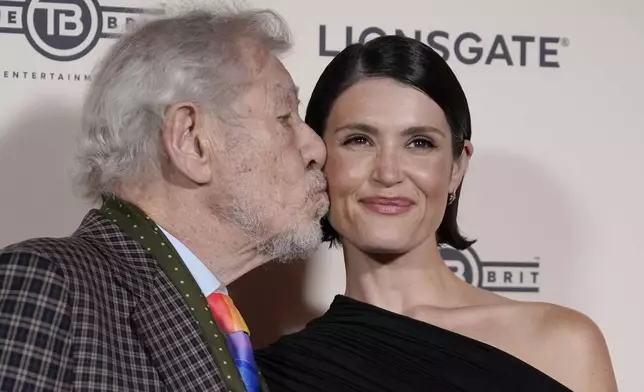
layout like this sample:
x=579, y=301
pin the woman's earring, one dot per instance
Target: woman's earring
x=451, y=198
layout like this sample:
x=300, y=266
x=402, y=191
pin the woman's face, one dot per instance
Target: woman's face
x=390, y=166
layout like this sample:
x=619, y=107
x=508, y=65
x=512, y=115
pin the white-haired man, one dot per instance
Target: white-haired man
x=193, y=141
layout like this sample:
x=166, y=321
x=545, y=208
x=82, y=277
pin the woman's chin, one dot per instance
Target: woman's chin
x=385, y=246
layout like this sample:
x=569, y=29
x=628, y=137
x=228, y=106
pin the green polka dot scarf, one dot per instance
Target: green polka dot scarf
x=143, y=229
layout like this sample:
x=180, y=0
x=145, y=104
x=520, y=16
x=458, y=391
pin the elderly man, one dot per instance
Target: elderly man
x=193, y=141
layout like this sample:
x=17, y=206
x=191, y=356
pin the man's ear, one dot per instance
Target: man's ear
x=187, y=142
x=460, y=166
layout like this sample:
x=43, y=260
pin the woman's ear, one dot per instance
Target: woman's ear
x=460, y=166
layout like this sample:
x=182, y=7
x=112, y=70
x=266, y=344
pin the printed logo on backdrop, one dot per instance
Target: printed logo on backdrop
x=467, y=48
x=499, y=276
x=64, y=30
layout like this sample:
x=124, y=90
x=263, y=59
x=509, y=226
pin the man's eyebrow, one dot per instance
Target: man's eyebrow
x=284, y=93
x=296, y=91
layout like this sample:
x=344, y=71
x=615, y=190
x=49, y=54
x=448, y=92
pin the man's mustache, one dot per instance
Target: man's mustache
x=317, y=182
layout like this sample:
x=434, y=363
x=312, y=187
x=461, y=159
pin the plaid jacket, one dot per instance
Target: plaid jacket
x=94, y=312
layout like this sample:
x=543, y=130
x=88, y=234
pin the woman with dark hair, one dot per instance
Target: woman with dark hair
x=397, y=128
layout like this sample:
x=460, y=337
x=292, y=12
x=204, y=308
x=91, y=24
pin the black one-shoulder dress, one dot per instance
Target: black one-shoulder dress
x=357, y=347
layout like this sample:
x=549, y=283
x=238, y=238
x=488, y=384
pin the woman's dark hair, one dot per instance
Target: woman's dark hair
x=415, y=64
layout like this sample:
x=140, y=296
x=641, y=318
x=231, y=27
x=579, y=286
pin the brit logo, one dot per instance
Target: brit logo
x=67, y=30
x=499, y=276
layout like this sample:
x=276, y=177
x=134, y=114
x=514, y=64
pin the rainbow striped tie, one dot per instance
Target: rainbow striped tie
x=230, y=321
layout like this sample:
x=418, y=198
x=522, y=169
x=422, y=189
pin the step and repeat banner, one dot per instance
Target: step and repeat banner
x=553, y=194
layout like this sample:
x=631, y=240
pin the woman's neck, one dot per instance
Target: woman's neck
x=399, y=283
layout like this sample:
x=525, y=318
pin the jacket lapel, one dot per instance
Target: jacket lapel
x=162, y=321
x=170, y=336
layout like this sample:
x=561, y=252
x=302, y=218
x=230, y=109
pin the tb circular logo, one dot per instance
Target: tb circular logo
x=466, y=264
x=62, y=30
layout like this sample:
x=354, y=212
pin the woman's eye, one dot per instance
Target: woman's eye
x=356, y=141
x=422, y=143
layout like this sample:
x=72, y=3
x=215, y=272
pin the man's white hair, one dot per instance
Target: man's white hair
x=194, y=56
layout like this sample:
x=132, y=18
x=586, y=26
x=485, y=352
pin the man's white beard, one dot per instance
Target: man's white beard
x=296, y=241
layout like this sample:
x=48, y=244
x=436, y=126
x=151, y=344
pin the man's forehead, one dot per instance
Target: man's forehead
x=283, y=94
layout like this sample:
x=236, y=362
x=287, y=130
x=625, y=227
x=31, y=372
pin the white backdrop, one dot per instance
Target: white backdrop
x=553, y=193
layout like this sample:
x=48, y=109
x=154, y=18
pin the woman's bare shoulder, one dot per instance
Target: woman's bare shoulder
x=561, y=342
x=570, y=345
